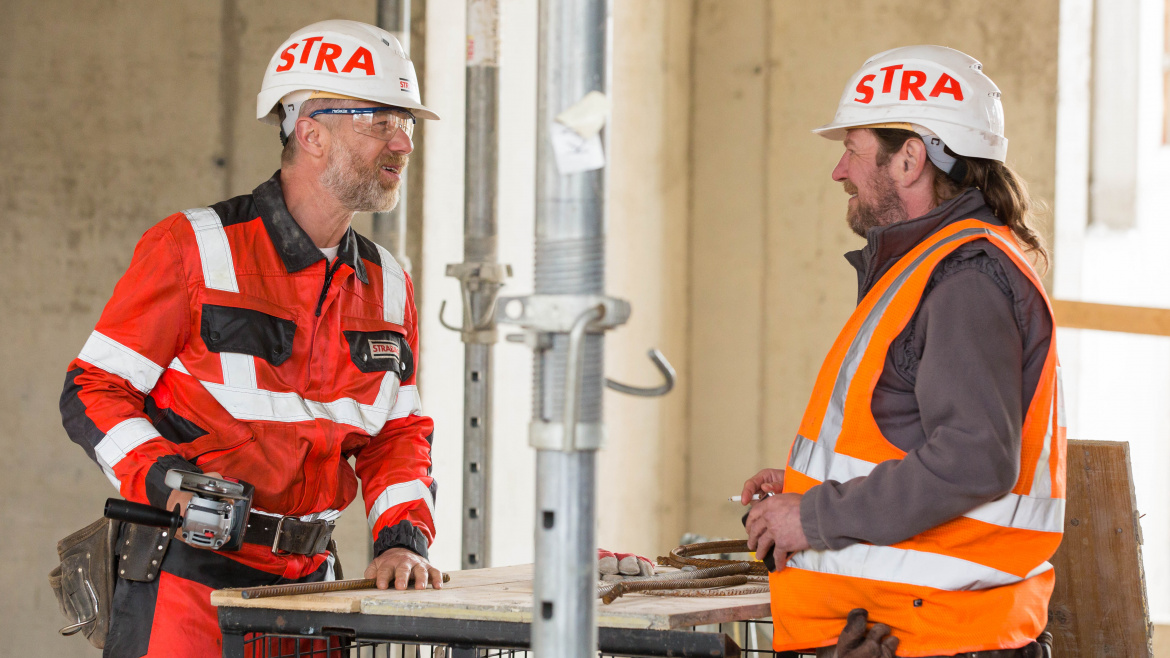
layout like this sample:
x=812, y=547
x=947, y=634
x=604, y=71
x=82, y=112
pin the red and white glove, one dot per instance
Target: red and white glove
x=625, y=564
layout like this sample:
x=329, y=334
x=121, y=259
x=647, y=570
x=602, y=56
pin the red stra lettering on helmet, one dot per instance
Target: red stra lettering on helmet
x=309, y=48
x=287, y=57
x=947, y=85
x=361, y=59
x=912, y=81
x=326, y=54
x=888, y=80
x=864, y=89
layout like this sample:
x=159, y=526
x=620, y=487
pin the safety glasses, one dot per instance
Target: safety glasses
x=378, y=122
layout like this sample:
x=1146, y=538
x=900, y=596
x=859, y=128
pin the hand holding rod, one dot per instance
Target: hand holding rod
x=663, y=366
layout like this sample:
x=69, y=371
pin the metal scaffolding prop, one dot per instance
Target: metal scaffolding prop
x=389, y=229
x=564, y=324
x=480, y=276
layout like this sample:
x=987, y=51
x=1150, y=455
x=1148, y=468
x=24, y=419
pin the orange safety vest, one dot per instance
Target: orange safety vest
x=975, y=583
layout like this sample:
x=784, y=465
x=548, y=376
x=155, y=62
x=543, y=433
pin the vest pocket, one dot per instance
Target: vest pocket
x=246, y=331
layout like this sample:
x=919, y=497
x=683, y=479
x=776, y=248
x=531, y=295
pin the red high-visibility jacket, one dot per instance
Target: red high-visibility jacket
x=232, y=345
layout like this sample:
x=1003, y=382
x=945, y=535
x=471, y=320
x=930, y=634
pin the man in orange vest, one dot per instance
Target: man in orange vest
x=926, y=482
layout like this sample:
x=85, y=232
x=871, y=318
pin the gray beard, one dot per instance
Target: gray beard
x=886, y=208
x=357, y=185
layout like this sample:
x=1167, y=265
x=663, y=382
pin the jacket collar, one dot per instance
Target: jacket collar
x=295, y=247
x=886, y=244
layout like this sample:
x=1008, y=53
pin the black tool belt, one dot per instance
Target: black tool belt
x=288, y=534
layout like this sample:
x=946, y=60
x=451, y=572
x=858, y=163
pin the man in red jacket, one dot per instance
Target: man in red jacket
x=263, y=340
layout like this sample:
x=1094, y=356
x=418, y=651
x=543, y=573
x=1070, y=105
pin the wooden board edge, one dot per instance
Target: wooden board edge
x=1141, y=320
x=313, y=602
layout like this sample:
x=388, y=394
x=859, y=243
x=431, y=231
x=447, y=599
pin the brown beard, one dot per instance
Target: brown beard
x=885, y=209
x=358, y=184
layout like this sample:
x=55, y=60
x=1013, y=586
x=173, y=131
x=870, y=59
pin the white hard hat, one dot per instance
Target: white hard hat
x=338, y=59
x=932, y=90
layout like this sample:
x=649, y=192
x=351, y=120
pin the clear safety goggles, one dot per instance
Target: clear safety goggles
x=378, y=122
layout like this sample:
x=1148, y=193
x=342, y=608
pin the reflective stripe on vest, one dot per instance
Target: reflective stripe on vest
x=991, y=561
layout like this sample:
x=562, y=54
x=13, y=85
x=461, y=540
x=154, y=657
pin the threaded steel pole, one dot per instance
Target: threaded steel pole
x=570, y=260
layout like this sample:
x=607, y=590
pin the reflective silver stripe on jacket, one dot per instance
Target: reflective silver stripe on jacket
x=393, y=289
x=397, y=494
x=121, y=439
x=104, y=352
x=215, y=253
x=392, y=402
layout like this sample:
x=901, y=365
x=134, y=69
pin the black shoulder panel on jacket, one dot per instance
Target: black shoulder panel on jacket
x=236, y=210
x=368, y=250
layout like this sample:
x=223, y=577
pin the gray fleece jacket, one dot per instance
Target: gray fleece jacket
x=952, y=394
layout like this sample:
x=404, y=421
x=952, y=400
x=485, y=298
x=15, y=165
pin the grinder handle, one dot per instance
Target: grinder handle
x=124, y=510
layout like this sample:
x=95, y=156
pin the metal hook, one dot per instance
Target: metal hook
x=663, y=366
x=442, y=321
x=477, y=325
x=82, y=623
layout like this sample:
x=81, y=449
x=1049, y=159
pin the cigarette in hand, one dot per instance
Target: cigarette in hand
x=755, y=497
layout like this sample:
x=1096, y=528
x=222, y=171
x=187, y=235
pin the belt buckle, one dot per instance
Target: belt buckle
x=276, y=538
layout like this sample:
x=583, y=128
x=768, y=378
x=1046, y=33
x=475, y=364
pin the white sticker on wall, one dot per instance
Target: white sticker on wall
x=573, y=153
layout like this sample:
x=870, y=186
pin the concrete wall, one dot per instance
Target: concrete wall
x=115, y=115
x=769, y=289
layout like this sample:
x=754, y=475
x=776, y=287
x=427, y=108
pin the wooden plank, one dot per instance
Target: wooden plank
x=512, y=602
x=505, y=594
x=1098, y=607
x=352, y=601
x=1108, y=317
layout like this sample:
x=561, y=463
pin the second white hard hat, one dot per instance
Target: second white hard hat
x=338, y=59
x=938, y=89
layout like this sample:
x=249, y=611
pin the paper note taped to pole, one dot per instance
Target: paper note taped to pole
x=573, y=153
x=575, y=134
x=587, y=116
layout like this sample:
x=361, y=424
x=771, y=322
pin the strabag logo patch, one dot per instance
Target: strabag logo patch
x=384, y=349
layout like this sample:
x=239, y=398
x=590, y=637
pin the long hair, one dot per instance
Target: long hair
x=1005, y=192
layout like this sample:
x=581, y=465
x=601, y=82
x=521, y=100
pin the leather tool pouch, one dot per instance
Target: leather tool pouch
x=92, y=559
x=84, y=581
x=141, y=550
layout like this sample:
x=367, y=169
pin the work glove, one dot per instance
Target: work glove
x=856, y=641
x=622, y=564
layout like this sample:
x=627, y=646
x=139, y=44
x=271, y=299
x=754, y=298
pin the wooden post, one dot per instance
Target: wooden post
x=1098, y=607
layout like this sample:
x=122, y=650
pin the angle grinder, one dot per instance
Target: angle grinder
x=215, y=518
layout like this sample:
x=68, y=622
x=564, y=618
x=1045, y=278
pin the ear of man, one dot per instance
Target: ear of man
x=312, y=138
x=908, y=166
